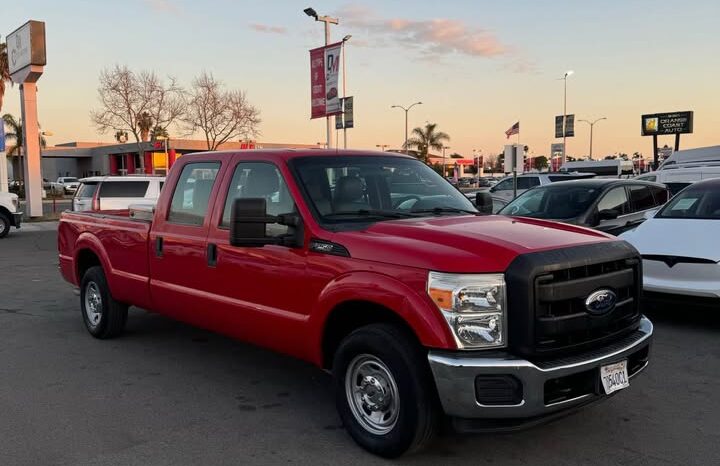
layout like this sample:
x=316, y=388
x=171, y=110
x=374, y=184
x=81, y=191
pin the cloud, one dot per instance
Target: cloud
x=268, y=29
x=432, y=38
x=163, y=6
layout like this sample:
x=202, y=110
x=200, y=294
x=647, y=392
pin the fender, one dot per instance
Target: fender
x=89, y=241
x=416, y=310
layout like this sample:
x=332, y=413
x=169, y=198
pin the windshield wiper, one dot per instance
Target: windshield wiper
x=370, y=213
x=442, y=210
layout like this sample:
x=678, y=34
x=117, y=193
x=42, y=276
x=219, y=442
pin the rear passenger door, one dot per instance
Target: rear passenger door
x=178, y=242
x=642, y=200
x=615, y=199
x=120, y=194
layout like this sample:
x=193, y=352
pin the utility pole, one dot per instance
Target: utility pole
x=345, y=39
x=328, y=21
x=592, y=123
x=406, y=120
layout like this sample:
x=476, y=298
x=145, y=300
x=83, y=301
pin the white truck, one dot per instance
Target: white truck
x=10, y=216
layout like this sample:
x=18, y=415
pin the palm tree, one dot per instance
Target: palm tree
x=427, y=138
x=159, y=131
x=16, y=135
x=4, y=71
x=144, y=124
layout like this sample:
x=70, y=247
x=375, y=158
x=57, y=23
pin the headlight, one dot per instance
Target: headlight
x=473, y=305
x=15, y=202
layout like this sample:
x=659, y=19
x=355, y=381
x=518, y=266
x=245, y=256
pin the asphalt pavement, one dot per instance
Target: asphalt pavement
x=168, y=394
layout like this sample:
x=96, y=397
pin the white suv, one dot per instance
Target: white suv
x=9, y=214
x=69, y=183
x=504, y=189
x=116, y=192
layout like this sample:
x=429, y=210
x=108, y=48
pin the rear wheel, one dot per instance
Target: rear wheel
x=4, y=225
x=104, y=317
x=384, y=391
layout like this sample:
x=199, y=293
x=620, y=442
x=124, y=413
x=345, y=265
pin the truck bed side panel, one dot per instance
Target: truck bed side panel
x=119, y=242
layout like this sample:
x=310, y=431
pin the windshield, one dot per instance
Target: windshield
x=695, y=202
x=556, y=201
x=346, y=189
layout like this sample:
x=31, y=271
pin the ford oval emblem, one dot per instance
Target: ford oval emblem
x=601, y=302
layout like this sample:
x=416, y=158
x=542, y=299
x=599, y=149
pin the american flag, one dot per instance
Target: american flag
x=514, y=129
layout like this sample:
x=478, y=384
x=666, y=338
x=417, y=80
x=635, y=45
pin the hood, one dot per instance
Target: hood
x=462, y=243
x=677, y=237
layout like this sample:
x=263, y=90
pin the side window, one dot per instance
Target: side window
x=527, y=182
x=124, y=189
x=659, y=194
x=192, y=193
x=615, y=199
x=504, y=185
x=641, y=198
x=260, y=180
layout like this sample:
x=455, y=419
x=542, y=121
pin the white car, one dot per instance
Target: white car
x=9, y=213
x=679, y=247
x=116, y=192
x=69, y=183
x=503, y=190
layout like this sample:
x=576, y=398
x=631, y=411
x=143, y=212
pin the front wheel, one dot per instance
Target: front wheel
x=4, y=224
x=384, y=391
x=104, y=317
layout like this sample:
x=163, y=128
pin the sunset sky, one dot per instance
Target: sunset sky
x=478, y=66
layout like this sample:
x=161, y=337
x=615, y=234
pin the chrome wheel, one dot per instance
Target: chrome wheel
x=93, y=304
x=2, y=227
x=372, y=394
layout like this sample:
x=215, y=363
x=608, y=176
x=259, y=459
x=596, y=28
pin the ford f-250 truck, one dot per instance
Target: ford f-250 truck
x=372, y=266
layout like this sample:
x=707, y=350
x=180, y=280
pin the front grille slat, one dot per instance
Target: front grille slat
x=562, y=322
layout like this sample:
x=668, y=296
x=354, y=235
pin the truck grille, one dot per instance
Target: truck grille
x=547, y=317
x=561, y=319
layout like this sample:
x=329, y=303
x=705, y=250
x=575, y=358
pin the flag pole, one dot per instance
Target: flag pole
x=514, y=165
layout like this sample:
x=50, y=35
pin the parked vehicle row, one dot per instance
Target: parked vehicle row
x=391, y=279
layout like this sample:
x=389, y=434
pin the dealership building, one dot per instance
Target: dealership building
x=81, y=159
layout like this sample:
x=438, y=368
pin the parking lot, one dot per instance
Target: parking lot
x=167, y=393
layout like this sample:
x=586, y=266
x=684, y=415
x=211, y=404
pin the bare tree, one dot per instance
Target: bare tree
x=136, y=102
x=219, y=114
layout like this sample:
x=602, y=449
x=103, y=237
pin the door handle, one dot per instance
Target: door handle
x=212, y=254
x=158, y=246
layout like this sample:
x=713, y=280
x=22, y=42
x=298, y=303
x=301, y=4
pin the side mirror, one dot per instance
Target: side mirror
x=484, y=202
x=608, y=214
x=248, y=221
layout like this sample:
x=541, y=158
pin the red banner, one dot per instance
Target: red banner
x=317, y=82
x=324, y=72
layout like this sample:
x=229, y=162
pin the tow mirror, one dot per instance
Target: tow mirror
x=248, y=221
x=608, y=214
x=484, y=202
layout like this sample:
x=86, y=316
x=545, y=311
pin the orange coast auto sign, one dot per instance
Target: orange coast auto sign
x=324, y=72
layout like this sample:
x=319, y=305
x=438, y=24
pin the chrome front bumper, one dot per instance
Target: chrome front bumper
x=455, y=375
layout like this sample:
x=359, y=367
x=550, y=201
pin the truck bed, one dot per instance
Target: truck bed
x=118, y=242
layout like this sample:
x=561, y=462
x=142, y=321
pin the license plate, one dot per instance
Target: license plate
x=614, y=377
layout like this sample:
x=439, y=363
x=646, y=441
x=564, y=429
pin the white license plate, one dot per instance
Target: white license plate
x=614, y=377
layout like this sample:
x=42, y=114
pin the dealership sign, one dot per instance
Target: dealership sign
x=26, y=46
x=324, y=72
x=667, y=123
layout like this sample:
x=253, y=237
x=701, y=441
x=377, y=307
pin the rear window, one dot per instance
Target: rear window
x=124, y=189
x=86, y=190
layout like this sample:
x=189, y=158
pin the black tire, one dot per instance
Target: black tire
x=109, y=316
x=4, y=225
x=418, y=407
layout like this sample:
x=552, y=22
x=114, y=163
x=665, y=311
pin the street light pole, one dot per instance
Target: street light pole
x=564, y=78
x=592, y=123
x=345, y=39
x=328, y=21
x=406, y=120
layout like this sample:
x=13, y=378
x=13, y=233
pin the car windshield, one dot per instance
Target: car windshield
x=695, y=202
x=373, y=188
x=555, y=201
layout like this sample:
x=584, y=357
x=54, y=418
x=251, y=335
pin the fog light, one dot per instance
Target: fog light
x=493, y=390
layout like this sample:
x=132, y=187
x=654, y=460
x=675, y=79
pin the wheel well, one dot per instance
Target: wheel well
x=86, y=259
x=351, y=315
x=3, y=210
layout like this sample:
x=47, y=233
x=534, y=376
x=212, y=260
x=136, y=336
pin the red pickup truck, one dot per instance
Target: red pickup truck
x=372, y=266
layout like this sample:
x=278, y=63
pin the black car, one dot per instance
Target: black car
x=609, y=205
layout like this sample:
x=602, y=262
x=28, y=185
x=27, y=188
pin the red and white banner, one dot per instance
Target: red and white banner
x=324, y=72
